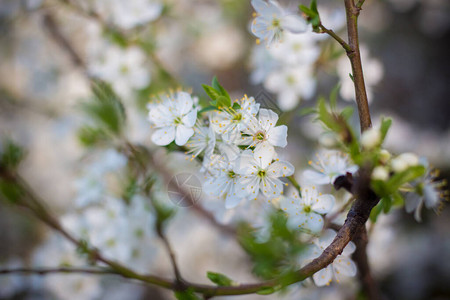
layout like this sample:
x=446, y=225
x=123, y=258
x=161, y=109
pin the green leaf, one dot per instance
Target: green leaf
x=307, y=11
x=11, y=154
x=307, y=111
x=106, y=108
x=384, y=128
x=387, y=204
x=347, y=112
x=206, y=109
x=351, y=77
x=219, y=279
x=10, y=191
x=376, y=212
x=212, y=93
x=333, y=95
x=313, y=6
x=186, y=295
x=266, y=290
x=398, y=179
x=223, y=101
x=91, y=136
x=236, y=106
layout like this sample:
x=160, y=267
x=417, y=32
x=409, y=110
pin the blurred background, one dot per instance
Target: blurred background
x=50, y=51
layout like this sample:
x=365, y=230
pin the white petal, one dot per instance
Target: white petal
x=246, y=163
x=267, y=118
x=264, y=154
x=316, y=177
x=277, y=136
x=314, y=222
x=323, y=204
x=343, y=265
x=249, y=186
x=323, y=277
x=232, y=201
x=164, y=136
x=271, y=187
x=280, y=169
x=349, y=249
x=184, y=102
x=260, y=6
x=183, y=134
x=189, y=119
x=294, y=24
x=288, y=99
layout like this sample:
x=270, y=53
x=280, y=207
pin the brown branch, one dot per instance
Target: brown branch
x=354, y=55
x=45, y=271
x=176, y=270
x=335, y=36
x=52, y=28
x=369, y=285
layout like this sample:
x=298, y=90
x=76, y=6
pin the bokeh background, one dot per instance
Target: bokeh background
x=50, y=49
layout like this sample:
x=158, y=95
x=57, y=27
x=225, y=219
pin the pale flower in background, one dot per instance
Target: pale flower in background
x=203, y=140
x=174, y=117
x=373, y=73
x=305, y=212
x=130, y=13
x=124, y=69
x=291, y=84
x=328, y=166
x=271, y=20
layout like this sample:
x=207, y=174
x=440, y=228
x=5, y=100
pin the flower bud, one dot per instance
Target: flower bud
x=384, y=156
x=371, y=138
x=404, y=161
x=380, y=173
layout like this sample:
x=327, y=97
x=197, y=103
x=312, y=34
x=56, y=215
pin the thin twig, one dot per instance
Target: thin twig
x=173, y=261
x=45, y=271
x=360, y=4
x=336, y=37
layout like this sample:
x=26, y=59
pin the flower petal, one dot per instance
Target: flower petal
x=264, y=154
x=277, y=136
x=184, y=102
x=183, y=134
x=323, y=204
x=323, y=277
x=280, y=169
x=316, y=177
x=267, y=118
x=294, y=24
x=343, y=266
x=271, y=187
x=190, y=118
x=164, y=136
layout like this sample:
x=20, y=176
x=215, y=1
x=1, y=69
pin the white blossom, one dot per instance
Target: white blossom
x=260, y=173
x=430, y=193
x=291, y=83
x=263, y=134
x=306, y=212
x=229, y=122
x=340, y=268
x=380, y=173
x=130, y=13
x=271, y=20
x=125, y=69
x=173, y=116
x=328, y=166
x=404, y=161
x=203, y=140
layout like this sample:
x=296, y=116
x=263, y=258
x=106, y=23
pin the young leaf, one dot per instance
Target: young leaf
x=333, y=96
x=384, y=128
x=212, y=93
x=216, y=85
x=186, y=295
x=223, y=101
x=219, y=279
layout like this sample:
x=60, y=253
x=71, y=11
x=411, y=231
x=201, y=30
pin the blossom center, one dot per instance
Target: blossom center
x=307, y=209
x=237, y=117
x=260, y=136
x=262, y=173
x=177, y=120
x=275, y=23
x=231, y=174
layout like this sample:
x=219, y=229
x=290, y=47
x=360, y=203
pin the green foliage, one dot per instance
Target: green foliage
x=277, y=255
x=266, y=290
x=186, y=295
x=219, y=279
x=391, y=186
x=384, y=128
x=219, y=96
x=107, y=112
x=10, y=191
x=91, y=136
x=11, y=155
x=312, y=14
x=163, y=213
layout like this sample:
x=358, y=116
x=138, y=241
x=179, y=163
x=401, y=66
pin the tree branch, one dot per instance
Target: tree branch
x=336, y=37
x=45, y=271
x=354, y=55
